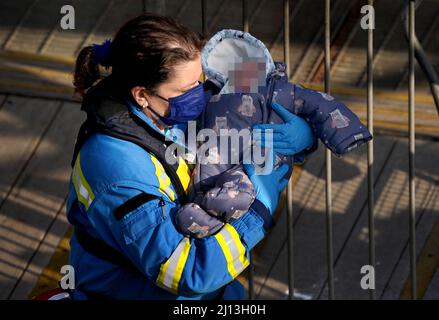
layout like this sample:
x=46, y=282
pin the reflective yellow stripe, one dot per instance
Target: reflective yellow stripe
x=161, y=277
x=181, y=263
x=82, y=188
x=184, y=173
x=164, y=180
x=229, y=258
x=233, y=250
x=171, y=271
x=83, y=180
x=77, y=190
x=241, y=249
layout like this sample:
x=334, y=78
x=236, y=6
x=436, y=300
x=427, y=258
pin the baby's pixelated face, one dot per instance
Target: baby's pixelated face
x=247, y=75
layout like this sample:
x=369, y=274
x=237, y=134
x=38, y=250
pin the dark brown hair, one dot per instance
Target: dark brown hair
x=142, y=53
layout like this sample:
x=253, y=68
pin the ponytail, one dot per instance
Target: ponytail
x=86, y=70
x=143, y=53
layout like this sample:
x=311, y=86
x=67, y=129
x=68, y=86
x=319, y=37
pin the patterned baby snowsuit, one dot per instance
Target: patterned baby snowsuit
x=220, y=190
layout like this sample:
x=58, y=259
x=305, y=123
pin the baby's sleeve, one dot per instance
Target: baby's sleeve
x=193, y=221
x=331, y=120
x=231, y=197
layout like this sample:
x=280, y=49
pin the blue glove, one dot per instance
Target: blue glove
x=290, y=137
x=268, y=187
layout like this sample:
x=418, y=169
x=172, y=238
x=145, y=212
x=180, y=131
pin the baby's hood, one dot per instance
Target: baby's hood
x=228, y=46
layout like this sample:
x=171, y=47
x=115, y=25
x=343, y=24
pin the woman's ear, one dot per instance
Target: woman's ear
x=139, y=95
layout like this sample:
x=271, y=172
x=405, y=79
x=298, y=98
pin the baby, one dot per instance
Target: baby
x=248, y=82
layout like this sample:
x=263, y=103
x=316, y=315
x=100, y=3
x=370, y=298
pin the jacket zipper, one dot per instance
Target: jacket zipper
x=271, y=83
x=162, y=204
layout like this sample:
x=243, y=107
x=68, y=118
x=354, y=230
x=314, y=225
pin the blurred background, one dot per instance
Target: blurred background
x=40, y=117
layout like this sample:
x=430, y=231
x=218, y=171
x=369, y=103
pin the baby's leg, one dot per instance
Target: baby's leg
x=231, y=197
x=193, y=221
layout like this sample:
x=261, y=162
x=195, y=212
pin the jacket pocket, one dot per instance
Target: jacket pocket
x=139, y=220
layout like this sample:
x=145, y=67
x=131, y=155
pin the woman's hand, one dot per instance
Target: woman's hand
x=290, y=137
x=268, y=186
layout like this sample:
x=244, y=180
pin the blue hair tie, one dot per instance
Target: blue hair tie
x=101, y=52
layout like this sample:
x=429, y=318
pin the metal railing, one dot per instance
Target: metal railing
x=370, y=178
x=431, y=75
x=422, y=59
x=412, y=209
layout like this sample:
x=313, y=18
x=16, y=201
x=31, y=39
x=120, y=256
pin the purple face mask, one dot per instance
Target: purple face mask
x=185, y=107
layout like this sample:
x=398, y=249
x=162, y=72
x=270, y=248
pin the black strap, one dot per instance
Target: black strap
x=133, y=204
x=103, y=251
x=83, y=134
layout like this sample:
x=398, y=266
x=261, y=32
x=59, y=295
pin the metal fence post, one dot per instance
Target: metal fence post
x=203, y=18
x=370, y=176
x=329, y=244
x=411, y=94
x=289, y=196
x=251, y=268
x=156, y=6
x=245, y=21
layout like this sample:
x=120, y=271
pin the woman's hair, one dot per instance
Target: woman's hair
x=142, y=53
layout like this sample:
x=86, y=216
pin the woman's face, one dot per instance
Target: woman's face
x=184, y=77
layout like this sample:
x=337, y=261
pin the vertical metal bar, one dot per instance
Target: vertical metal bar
x=182, y=9
x=251, y=270
x=203, y=26
x=293, y=13
x=289, y=204
x=412, y=146
x=245, y=21
x=287, y=36
x=370, y=177
x=220, y=11
x=329, y=244
x=155, y=6
x=251, y=277
x=203, y=18
x=290, y=233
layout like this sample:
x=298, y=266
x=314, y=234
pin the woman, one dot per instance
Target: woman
x=123, y=193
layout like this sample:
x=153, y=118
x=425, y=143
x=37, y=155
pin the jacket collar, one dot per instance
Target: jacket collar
x=173, y=133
